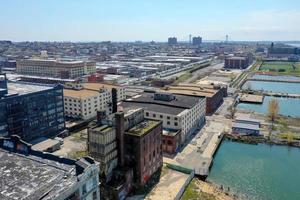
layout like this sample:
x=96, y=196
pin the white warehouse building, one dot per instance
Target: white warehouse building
x=177, y=112
x=83, y=100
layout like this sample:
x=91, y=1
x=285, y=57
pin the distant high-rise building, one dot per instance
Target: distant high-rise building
x=172, y=40
x=197, y=40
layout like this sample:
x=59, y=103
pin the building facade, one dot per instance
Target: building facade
x=177, y=112
x=246, y=126
x=83, y=100
x=102, y=146
x=213, y=94
x=31, y=111
x=55, y=68
x=142, y=144
x=128, y=148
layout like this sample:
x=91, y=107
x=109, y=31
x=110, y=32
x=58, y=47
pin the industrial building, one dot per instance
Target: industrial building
x=55, y=68
x=30, y=110
x=213, y=94
x=177, y=112
x=280, y=51
x=246, y=126
x=83, y=100
x=236, y=62
x=128, y=148
x=29, y=174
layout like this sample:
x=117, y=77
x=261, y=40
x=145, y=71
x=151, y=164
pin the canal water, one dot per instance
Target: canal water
x=281, y=78
x=258, y=172
x=287, y=106
x=281, y=87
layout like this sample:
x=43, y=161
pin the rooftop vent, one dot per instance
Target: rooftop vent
x=164, y=96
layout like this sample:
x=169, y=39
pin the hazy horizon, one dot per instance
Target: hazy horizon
x=125, y=21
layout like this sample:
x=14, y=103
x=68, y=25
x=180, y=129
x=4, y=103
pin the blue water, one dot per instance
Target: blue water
x=258, y=172
x=287, y=106
x=284, y=78
x=293, y=88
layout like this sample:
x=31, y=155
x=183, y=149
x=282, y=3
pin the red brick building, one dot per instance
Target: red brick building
x=139, y=144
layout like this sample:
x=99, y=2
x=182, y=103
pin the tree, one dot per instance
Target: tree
x=273, y=110
x=289, y=137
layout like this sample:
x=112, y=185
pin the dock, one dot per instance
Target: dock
x=198, y=154
x=251, y=98
x=278, y=94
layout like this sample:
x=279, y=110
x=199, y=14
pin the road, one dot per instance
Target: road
x=201, y=73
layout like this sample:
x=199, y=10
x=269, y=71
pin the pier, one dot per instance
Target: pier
x=198, y=155
x=277, y=94
x=251, y=98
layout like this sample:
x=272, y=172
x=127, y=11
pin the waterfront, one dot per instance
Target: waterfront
x=257, y=171
x=293, y=88
x=281, y=78
x=286, y=106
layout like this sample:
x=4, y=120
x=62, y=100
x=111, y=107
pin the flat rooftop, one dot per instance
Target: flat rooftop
x=180, y=101
x=246, y=126
x=97, y=86
x=153, y=107
x=192, y=90
x=142, y=128
x=31, y=177
x=83, y=93
x=55, y=61
x=103, y=129
x=25, y=88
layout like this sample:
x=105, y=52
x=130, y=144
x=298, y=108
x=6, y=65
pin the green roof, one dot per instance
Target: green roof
x=143, y=128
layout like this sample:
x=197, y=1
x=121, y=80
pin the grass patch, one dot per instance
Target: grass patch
x=79, y=136
x=193, y=192
x=78, y=154
x=183, y=77
x=281, y=68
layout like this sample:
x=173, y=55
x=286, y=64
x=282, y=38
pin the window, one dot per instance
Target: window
x=168, y=122
x=161, y=116
x=168, y=117
x=94, y=195
x=175, y=124
x=154, y=115
x=84, y=189
x=147, y=114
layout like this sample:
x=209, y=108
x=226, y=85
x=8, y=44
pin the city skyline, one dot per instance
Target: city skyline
x=149, y=20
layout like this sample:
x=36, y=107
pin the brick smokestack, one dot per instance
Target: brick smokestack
x=120, y=131
x=114, y=96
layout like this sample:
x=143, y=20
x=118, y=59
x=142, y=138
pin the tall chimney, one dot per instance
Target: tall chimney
x=120, y=131
x=101, y=116
x=114, y=96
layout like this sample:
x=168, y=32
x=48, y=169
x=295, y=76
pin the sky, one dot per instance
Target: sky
x=147, y=20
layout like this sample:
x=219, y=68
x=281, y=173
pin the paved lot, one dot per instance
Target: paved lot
x=73, y=143
x=168, y=186
x=198, y=154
